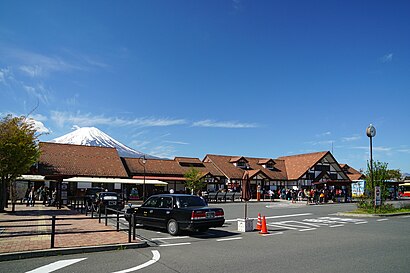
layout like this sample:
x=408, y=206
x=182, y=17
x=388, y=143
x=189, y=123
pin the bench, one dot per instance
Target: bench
x=232, y=196
x=212, y=196
x=221, y=196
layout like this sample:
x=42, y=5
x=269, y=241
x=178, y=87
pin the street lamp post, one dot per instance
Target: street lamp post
x=142, y=161
x=371, y=132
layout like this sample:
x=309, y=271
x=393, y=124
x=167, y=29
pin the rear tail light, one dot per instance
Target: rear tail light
x=219, y=213
x=198, y=214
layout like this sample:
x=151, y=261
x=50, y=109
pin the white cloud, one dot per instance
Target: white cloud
x=379, y=148
x=6, y=76
x=176, y=142
x=61, y=118
x=223, y=124
x=352, y=138
x=139, y=143
x=324, y=134
x=32, y=71
x=387, y=58
x=163, y=151
x=323, y=142
x=39, y=92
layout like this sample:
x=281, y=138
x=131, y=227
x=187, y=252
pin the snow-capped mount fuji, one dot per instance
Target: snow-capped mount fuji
x=91, y=136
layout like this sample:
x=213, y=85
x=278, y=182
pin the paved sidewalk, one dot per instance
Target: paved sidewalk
x=10, y=243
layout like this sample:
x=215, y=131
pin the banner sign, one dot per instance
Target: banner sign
x=377, y=196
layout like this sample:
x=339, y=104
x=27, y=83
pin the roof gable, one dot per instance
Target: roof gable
x=297, y=165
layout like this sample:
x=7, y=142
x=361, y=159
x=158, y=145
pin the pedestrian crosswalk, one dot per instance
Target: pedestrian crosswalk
x=310, y=224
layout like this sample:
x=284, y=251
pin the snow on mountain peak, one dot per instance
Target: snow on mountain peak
x=91, y=136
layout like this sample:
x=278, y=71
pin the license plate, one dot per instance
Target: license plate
x=210, y=214
x=112, y=203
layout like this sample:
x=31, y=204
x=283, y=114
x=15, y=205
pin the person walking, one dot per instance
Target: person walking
x=32, y=197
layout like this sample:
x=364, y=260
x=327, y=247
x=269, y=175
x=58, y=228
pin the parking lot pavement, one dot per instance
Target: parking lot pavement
x=35, y=220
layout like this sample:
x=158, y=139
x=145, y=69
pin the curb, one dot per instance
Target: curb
x=372, y=215
x=68, y=251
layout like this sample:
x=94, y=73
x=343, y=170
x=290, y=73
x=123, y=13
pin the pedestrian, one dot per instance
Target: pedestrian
x=293, y=196
x=300, y=195
x=26, y=196
x=271, y=194
x=45, y=195
x=32, y=197
x=53, y=197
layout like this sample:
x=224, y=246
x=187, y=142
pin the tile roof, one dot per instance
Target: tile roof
x=79, y=160
x=188, y=160
x=352, y=173
x=224, y=163
x=153, y=166
x=168, y=167
x=297, y=165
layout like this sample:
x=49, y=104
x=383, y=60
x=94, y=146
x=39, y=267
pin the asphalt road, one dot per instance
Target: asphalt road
x=301, y=239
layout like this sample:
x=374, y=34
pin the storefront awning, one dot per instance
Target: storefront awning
x=166, y=178
x=115, y=180
x=31, y=177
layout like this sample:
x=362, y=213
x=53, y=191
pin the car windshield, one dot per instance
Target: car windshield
x=190, y=201
x=109, y=195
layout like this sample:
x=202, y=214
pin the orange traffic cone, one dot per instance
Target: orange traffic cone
x=264, y=227
x=259, y=222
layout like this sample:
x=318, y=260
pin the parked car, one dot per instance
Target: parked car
x=89, y=196
x=176, y=212
x=107, y=199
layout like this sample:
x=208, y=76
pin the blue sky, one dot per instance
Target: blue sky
x=187, y=78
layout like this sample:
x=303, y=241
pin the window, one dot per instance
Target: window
x=241, y=164
x=322, y=168
x=165, y=202
x=152, y=202
x=190, y=201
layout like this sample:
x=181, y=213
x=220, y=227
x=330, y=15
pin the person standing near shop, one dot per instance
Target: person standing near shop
x=32, y=197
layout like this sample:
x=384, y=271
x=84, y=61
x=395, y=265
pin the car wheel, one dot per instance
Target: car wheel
x=173, y=227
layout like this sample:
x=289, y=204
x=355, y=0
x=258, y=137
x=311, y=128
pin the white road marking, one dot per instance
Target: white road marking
x=280, y=226
x=307, y=229
x=55, y=266
x=271, y=234
x=155, y=258
x=229, y=239
x=171, y=238
x=341, y=225
x=275, y=217
x=290, y=225
x=303, y=223
x=381, y=220
x=178, y=244
x=359, y=223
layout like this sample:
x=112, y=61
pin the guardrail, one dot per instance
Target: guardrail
x=131, y=229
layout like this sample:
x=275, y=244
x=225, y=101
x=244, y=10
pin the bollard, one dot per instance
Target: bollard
x=99, y=213
x=129, y=231
x=53, y=230
x=106, y=217
x=118, y=221
x=133, y=226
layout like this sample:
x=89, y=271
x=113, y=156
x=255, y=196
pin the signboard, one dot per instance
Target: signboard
x=377, y=196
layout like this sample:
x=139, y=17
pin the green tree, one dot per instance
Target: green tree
x=18, y=152
x=395, y=175
x=380, y=175
x=194, y=180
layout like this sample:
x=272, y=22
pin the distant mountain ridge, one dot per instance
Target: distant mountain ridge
x=91, y=136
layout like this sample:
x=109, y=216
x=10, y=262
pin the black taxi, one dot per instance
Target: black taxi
x=176, y=212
